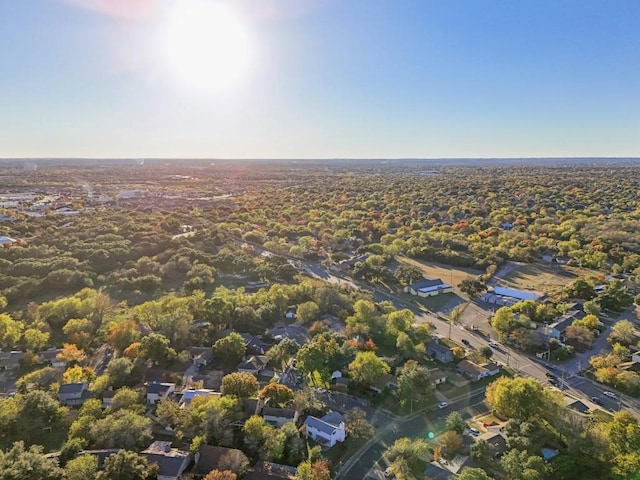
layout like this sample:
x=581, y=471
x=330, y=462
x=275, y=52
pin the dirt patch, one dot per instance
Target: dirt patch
x=451, y=275
x=540, y=278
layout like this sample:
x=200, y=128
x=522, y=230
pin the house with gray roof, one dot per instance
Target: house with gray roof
x=158, y=391
x=428, y=287
x=217, y=458
x=201, y=356
x=10, y=360
x=327, y=430
x=255, y=364
x=439, y=352
x=279, y=416
x=171, y=462
x=73, y=394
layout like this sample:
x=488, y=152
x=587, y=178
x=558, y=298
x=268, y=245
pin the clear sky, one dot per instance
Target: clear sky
x=321, y=78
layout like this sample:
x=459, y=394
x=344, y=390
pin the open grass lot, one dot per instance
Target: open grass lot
x=547, y=279
x=451, y=275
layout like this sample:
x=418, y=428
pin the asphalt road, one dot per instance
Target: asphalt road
x=420, y=425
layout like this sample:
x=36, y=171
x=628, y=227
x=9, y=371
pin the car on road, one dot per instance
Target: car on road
x=466, y=342
x=609, y=394
x=443, y=405
x=551, y=375
x=493, y=344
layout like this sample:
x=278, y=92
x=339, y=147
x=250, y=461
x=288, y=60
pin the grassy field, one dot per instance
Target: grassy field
x=451, y=275
x=541, y=278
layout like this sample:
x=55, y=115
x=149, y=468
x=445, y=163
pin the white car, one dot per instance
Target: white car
x=609, y=394
x=494, y=344
x=474, y=432
x=443, y=405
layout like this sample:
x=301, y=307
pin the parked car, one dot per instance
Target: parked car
x=474, y=432
x=443, y=405
x=596, y=400
x=466, y=342
x=493, y=344
x=609, y=394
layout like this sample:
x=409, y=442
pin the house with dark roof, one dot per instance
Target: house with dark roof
x=255, y=364
x=171, y=462
x=255, y=345
x=384, y=381
x=327, y=430
x=158, y=391
x=428, y=287
x=279, y=416
x=438, y=377
x=296, y=332
x=10, y=360
x=50, y=356
x=218, y=458
x=201, y=356
x=73, y=394
x=435, y=471
x=439, y=352
x=497, y=441
x=477, y=372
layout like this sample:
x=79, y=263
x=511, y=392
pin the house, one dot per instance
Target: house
x=201, y=356
x=477, y=372
x=435, y=471
x=327, y=430
x=384, y=381
x=10, y=360
x=279, y=416
x=291, y=313
x=218, y=458
x=255, y=345
x=158, y=391
x=438, y=377
x=340, y=384
x=508, y=296
x=189, y=395
x=497, y=441
x=439, y=352
x=107, y=398
x=428, y=287
x=296, y=332
x=578, y=406
x=255, y=364
x=171, y=462
x=73, y=394
x=50, y=356
x=557, y=329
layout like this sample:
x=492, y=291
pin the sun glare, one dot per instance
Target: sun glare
x=207, y=45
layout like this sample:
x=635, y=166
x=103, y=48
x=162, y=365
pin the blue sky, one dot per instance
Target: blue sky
x=326, y=79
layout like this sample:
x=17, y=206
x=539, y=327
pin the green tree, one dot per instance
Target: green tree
x=119, y=371
x=471, y=473
x=123, y=428
x=367, y=367
x=504, y=322
x=358, y=427
x=622, y=332
x=242, y=385
x=155, y=347
x=84, y=467
x=282, y=352
x=230, y=349
x=521, y=398
x=10, y=330
x=35, y=340
x=472, y=287
x=316, y=470
x=414, y=382
x=276, y=394
x=126, y=465
x=455, y=422
x=21, y=464
x=308, y=312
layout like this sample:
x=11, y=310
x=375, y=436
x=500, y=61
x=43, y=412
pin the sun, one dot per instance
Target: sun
x=206, y=45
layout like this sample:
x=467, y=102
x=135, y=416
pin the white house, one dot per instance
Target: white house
x=428, y=287
x=326, y=430
x=157, y=391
